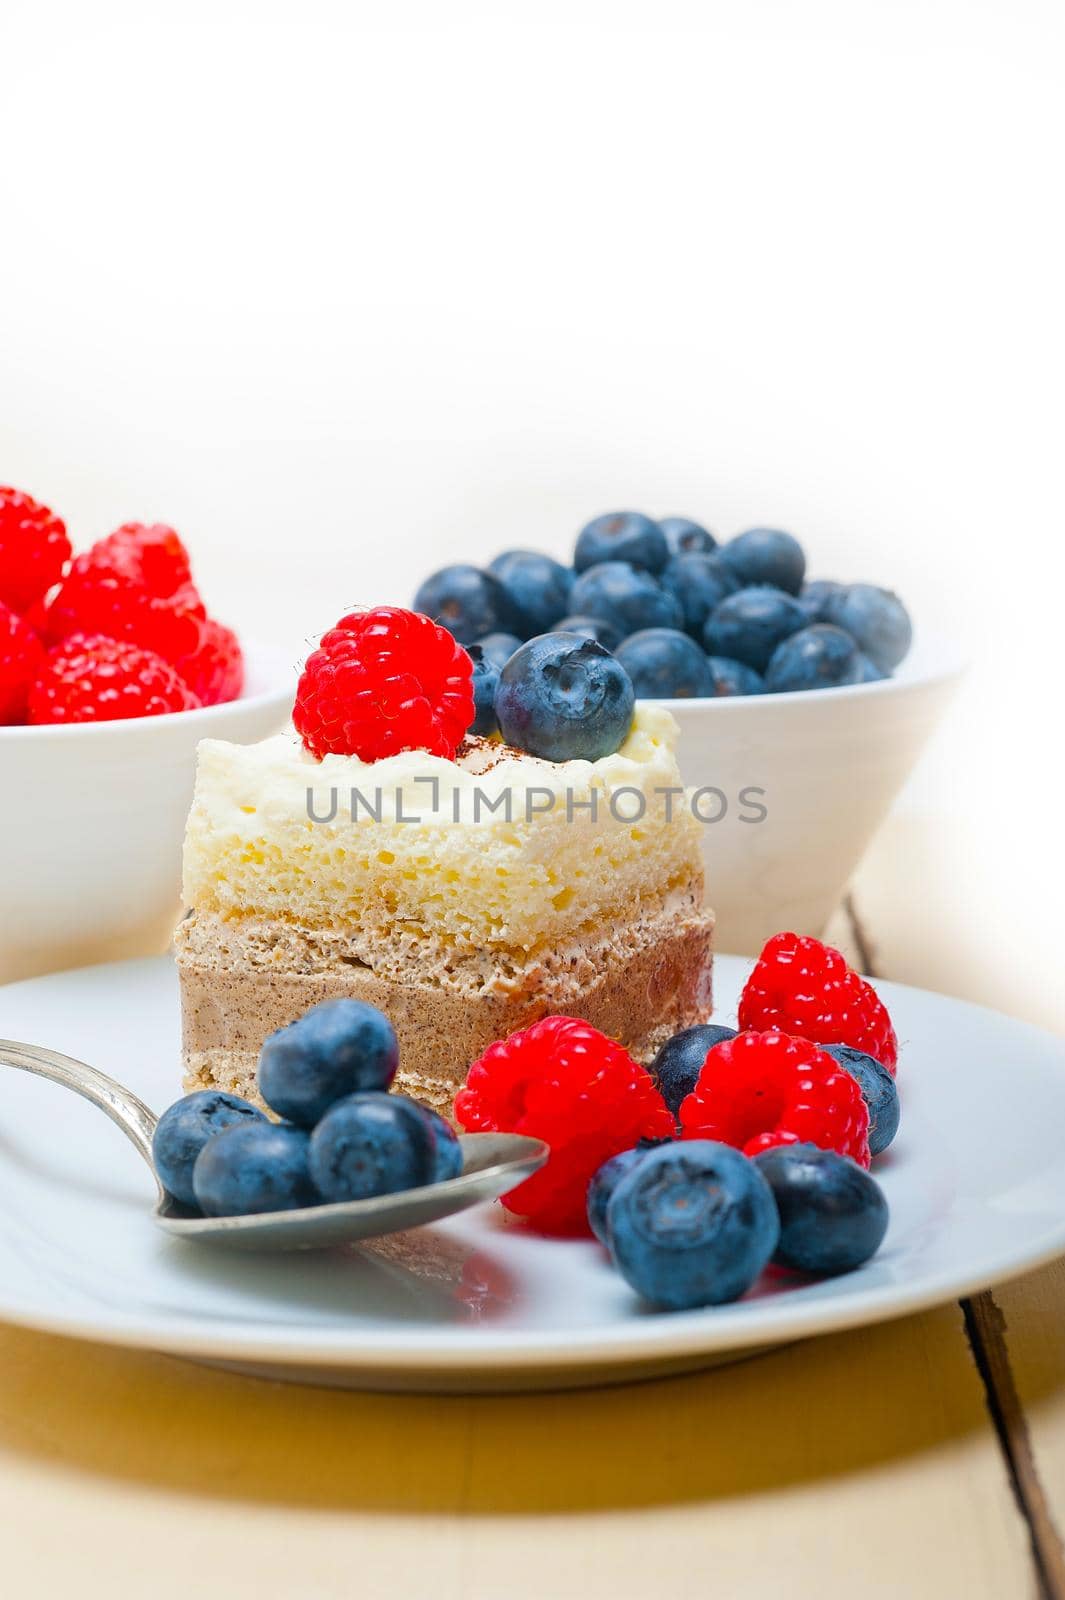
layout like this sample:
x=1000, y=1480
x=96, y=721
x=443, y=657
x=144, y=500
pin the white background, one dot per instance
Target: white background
x=343, y=291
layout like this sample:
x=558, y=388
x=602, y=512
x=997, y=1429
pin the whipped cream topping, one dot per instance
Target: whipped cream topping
x=281, y=780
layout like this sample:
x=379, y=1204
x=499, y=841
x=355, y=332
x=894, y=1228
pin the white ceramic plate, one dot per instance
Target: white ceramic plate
x=976, y=1183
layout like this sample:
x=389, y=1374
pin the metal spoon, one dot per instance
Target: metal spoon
x=492, y=1163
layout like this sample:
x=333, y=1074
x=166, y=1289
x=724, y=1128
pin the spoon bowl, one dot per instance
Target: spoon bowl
x=492, y=1164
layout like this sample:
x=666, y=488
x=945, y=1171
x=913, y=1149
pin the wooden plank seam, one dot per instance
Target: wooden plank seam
x=985, y=1327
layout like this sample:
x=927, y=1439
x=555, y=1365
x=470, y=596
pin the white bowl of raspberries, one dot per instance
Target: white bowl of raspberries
x=801, y=708
x=111, y=671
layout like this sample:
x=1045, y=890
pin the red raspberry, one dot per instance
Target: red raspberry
x=36, y=617
x=34, y=549
x=383, y=681
x=21, y=658
x=806, y=987
x=134, y=585
x=93, y=679
x=763, y=1089
x=563, y=1081
x=157, y=551
x=215, y=672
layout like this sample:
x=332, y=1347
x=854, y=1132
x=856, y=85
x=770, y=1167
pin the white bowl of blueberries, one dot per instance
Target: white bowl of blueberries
x=801, y=709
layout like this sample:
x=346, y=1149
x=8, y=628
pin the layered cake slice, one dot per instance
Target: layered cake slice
x=465, y=895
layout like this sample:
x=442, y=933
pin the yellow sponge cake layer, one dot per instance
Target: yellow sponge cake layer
x=498, y=850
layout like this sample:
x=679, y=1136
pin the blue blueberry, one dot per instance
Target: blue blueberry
x=878, y=1091
x=625, y=597
x=564, y=698
x=371, y=1144
x=537, y=587
x=876, y=619
x=699, y=583
x=683, y=535
x=621, y=536
x=447, y=1151
x=254, y=1166
x=499, y=647
x=184, y=1129
x=485, y=683
x=814, y=596
x=766, y=555
x=868, y=672
x=679, y=1062
x=466, y=601
x=733, y=678
x=603, y=633
x=833, y=1215
x=748, y=626
x=335, y=1048
x=692, y=1224
x=665, y=664
x=818, y=657
x=606, y=1180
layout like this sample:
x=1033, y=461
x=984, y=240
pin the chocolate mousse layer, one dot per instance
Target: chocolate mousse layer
x=241, y=978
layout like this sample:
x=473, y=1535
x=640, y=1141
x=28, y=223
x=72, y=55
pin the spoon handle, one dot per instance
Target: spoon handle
x=121, y=1105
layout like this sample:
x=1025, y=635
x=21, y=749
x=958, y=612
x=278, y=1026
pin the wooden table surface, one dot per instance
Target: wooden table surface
x=924, y=1457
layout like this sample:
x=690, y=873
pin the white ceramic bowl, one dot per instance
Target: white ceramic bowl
x=828, y=763
x=91, y=823
x=92, y=818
